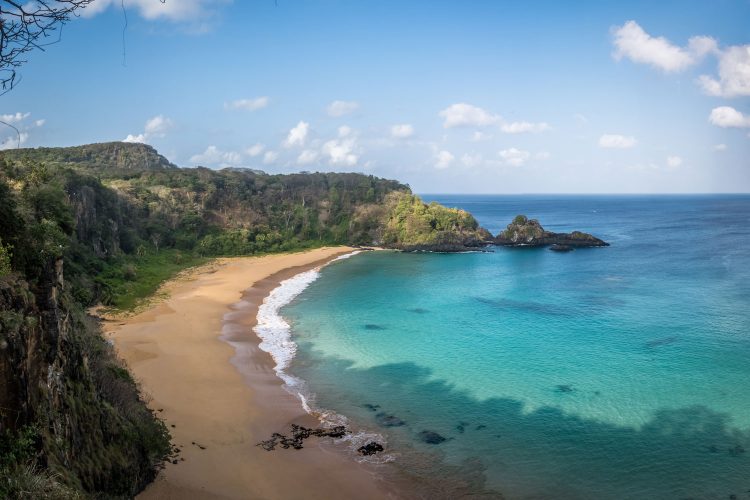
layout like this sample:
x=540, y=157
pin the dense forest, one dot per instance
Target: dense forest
x=106, y=223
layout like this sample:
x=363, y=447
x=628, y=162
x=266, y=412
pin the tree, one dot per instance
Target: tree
x=25, y=26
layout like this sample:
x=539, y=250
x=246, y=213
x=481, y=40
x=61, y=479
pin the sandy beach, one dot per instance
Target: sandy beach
x=198, y=362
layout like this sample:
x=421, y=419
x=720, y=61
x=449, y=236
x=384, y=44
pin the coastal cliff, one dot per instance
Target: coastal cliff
x=525, y=232
x=120, y=219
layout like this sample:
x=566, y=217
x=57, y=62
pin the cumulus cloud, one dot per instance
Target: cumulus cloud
x=255, y=149
x=213, y=156
x=248, y=104
x=617, y=141
x=135, y=138
x=444, y=159
x=727, y=116
x=720, y=147
x=16, y=129
x=633, y=43
x=175, y=11
x=521, y=127
x=467, y=115
x=514, y=157
x=155, y=127
x=402, y=131
x=12, y=118
x=674, y=161
x=734, y=74
x=341, y=108
x=14, y=141
x=343, y=151
x=297, y=135
x=270, y=157
x=307, y=156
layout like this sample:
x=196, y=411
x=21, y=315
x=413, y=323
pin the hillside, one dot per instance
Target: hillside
x=108, y=223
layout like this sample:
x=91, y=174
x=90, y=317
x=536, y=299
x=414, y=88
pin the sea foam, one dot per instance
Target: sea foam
x=276, y=339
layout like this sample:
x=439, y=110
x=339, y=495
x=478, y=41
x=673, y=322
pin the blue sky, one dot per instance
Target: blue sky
x=469, y=97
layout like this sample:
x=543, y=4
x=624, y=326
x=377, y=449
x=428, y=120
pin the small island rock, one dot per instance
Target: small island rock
x=525, y=232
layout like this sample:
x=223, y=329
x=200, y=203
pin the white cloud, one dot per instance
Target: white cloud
x=674, y=161
x=633, y=43
x=171, y=10
x=213, y=156
x=155, y=127
x=726, y=116
x=341, y=108
x=40, y=122
x=467, y=115
x=616, y=141
x=443, y=159
x=471, y=160
x=135, y=138
x=345, y=131
x=12, y=118
x=734, y=74
x=297, y=135
x=514, y=157
x=158, y=126
x=342, y=151
x=521, y=127
x=248, y=104
x=14, y=141
x=270, y=157
x=720, y=147
x=402, y=131
x=307, y=156
x=255, y=149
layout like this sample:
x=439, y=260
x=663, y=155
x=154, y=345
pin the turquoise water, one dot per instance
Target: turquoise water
x=613, y=373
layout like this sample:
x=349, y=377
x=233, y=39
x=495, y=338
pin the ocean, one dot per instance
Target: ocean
x=607, y=373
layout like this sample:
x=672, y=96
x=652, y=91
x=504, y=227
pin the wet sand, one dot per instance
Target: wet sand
x=199, y=364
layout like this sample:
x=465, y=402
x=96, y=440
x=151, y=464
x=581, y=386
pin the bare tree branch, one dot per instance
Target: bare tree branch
x=28, y=26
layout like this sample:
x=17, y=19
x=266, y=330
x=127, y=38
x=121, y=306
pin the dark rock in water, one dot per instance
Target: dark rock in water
x=431, y=437
x=418, y=310
x=564, y=388
x=372, y=326
x=299, y=434
x=525, y=232
x=388, y=420
x=371, y=407
x=561, y=248
x=480, y=427
x=736, y=451
x=461, y=427
x=370, y=448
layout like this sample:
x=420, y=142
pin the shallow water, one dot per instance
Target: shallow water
x=610, y=373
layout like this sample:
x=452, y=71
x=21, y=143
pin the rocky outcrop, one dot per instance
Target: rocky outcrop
x=66, y=403
x=525, y=232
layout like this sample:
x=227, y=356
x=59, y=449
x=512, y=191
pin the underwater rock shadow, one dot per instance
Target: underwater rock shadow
x=699, y=439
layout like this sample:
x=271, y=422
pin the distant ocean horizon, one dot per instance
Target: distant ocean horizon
x=607, y=373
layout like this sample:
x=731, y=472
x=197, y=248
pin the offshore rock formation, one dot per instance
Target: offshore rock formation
x=525, y=232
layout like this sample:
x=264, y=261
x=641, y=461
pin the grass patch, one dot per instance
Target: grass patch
x=132, y=279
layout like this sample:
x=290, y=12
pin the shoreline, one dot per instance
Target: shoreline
x=200, y=366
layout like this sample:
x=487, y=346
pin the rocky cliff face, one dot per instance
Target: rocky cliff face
x=81, y=418
x=529, y=232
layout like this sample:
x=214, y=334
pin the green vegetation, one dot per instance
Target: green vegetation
x=410, y=223
x=120, y=219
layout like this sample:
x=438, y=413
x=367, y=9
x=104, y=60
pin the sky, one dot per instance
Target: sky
x=447, y=96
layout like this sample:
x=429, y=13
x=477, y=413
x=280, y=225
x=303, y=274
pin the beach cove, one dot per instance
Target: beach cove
x=219, y=400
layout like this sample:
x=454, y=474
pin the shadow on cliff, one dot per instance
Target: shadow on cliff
x=691, y=452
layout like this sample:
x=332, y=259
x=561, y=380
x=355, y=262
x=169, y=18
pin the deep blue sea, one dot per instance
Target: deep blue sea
x=607, y=373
